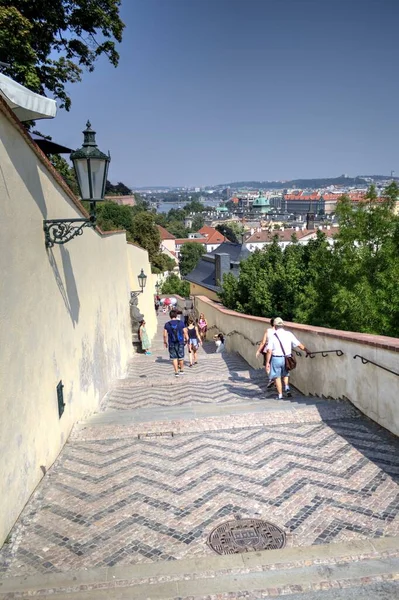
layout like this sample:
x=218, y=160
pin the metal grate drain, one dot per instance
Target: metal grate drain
x=246, y=535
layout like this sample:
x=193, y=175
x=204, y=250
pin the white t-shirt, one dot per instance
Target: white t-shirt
x=288, y=340
x=269, y=333
x=219, y=346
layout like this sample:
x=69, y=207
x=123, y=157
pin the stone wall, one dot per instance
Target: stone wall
x=64, y=315
x=372, y=389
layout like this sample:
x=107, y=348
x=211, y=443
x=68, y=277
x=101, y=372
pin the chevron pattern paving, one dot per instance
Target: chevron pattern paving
x=187, y=392
x=120, y=501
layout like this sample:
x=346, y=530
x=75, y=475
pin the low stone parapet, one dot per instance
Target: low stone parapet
x=363, y=368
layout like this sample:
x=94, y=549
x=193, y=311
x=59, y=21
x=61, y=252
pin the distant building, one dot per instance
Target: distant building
x=261, y=205
x=122, y=200
x=205, y=279
x=258, y=239
x=213, y=238
x=168, y=244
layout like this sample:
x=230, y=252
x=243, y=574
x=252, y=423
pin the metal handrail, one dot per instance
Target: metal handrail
x=226, y=335
x=324, y=353
x=366, y=360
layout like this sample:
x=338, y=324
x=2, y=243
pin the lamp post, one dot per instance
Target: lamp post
x=142, y=279
x=91, y=168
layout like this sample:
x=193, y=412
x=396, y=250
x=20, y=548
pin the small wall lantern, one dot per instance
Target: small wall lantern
x=91, y=168
x=142, y=278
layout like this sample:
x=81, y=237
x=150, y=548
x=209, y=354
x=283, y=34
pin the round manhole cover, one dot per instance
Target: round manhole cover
x=246, y=535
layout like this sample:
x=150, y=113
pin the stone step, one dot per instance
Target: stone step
x=111, y=425
x=358, y=569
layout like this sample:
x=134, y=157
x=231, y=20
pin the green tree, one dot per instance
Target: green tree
x=353, y=285
x=145, y=233
x=111, y=216
x=48, y=43
x=163, y=263
x=174, y=285
x=232, y=230
x=198, y=223
x=120, y=189
x=190, y=255
x=66, y=172
x=177, y=229
x=195, y=206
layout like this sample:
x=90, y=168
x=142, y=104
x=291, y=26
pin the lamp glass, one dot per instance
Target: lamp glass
x=82, y=174
x=92, y=177
x=99, y=169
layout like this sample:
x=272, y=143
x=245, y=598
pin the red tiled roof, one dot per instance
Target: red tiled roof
x=301, y=196
x=213, y=236
x=206, y=230
x=164, y=233
x=266, y=236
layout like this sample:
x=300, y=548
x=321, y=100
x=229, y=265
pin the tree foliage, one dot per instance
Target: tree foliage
x=120, y=189
x=232, y=230
x=190, y=255
x=174, y=285
x=353, y=285
x=66, y=172
x=48, y=43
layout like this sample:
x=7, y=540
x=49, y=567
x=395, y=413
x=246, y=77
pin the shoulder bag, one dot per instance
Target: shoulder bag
x=290, y=361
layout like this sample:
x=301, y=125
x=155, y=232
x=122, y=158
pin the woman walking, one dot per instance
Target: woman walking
x=144, y=339
x=202, y=326
x=194, y=341
x=263, y=348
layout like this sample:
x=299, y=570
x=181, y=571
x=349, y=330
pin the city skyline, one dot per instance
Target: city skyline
x=211, y=92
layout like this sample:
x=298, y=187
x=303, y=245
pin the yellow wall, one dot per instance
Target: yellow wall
x=198, y=290
x=137, y=260
x=64, y=314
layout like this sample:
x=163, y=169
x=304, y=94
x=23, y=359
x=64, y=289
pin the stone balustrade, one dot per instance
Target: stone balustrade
x=371, y=388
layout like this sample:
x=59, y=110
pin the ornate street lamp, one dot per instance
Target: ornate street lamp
x=91, y=168
x=142, y=278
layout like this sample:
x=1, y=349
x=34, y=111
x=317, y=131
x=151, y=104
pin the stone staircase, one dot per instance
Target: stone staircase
x=126, y=510
x=356, y=571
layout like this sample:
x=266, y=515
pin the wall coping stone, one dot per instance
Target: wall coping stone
x=377, y=341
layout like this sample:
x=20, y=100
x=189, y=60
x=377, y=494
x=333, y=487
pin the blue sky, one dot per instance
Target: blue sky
x=213, y=91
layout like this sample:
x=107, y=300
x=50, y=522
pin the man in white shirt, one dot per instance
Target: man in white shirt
x=279, y=346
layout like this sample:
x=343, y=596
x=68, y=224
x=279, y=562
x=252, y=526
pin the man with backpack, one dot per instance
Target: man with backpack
x=174, y=336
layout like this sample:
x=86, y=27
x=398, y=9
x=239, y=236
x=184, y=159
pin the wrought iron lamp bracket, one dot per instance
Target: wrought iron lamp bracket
x=61, y=231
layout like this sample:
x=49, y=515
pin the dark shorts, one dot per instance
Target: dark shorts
x=176, y=351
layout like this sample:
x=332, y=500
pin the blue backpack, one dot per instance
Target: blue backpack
x=176, y=332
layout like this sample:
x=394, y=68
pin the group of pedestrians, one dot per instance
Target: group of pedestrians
x=178, y=334
x=276, y=346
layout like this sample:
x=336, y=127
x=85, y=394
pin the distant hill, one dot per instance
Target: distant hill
x=304, y=183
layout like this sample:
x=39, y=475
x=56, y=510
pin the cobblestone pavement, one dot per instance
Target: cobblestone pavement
x=131, y=492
